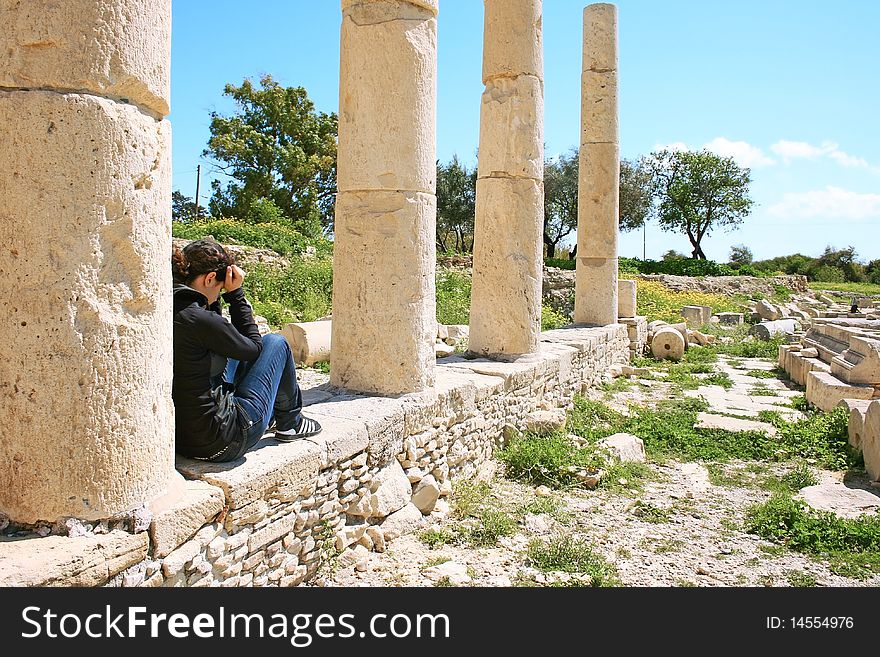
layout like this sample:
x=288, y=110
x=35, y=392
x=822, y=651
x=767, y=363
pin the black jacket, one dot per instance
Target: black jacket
x=206, y=418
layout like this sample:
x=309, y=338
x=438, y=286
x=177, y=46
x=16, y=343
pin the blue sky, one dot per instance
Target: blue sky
x=788, y=88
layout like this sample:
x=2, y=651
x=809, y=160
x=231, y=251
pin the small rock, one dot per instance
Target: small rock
x=353, y=556
x=625, y=447
x=76, y=527
x=545, y=422
x=702, y=570
x=425, y=494
x=455, y=572
x=543, y=491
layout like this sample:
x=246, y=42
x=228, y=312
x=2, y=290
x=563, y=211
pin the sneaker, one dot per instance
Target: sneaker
x=307, y=427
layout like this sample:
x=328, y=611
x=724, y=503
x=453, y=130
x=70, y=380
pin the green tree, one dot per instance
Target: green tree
x=740, y=254
x=636, y=194
x=456, y=206
x=843, y=260
x=872, y=271
x=275, y=147
x=560, y=199
x=183, y=208
x=699, y=191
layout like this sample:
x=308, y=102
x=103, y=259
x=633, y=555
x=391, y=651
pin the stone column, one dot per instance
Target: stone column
x=507, y=267
x=86, y=419
x=595, y=300
x=384, y=317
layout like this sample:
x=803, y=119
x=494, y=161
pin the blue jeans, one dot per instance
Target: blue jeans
x=265, y=389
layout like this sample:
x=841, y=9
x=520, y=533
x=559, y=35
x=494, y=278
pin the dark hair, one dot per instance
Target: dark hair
x=197, y=258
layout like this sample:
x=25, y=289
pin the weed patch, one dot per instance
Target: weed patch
x=571, y=555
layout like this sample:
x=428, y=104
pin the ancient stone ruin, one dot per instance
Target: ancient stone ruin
x=90, y=478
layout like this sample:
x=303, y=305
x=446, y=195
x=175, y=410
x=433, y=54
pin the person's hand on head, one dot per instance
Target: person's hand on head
x=234, y=278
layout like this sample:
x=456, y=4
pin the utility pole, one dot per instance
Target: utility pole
x=644, y=239
x=198, y=184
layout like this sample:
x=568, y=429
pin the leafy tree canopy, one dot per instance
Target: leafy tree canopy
x=699, y=191
x=456, y=206
x=277, y=149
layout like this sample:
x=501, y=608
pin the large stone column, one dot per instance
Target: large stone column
x=507, y=268
x=384, y=318
x=595, y=300
x=86, y=420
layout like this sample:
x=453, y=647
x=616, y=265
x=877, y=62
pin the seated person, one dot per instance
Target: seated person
x=230, y=383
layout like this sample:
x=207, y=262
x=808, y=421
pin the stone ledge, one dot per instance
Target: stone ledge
x=199, y=503
x=268, y=466
x=63, y=561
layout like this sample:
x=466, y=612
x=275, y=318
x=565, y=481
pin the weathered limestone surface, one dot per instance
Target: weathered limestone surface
x=693, y=315
x=85, y=364
x=599, y=171
x=63, y=561
x=860, y=363
x=309, y=341
x=383, y=291
x=871, y=440
x=668, y=343
x=596, y=298
x=506, y=285
x=507, y=266
x=118, y=49
x=384, y=257
x=626, y=298
x=767, y=329
x=184, y=516
x=387, y=100
x=512, y=37
x=826, y=391
x=858, y=409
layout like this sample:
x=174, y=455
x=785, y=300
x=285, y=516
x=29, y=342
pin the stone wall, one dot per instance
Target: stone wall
x=274, y=517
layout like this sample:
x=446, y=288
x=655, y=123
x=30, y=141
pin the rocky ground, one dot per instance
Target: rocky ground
x=681, y=529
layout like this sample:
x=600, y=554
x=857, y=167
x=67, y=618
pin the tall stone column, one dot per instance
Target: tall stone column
x=595, y=300
x=86, y=419
x=507, y=267
x=384, y=317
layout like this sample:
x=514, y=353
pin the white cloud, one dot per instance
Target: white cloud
x=828, y=203
x=793, y=150
x=743, y=153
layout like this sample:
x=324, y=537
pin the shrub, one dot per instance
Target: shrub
x=301, y=293
x=279, y=238
x=453, y=297
x=571, y=555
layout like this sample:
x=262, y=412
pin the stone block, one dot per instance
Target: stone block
x=277, y=529
x=860, y=363
x=309, y=341
x=505, y=313
x=272, y=467
x=730, y=319
x=197, y=504
x=387, y=108
x=425, y=494
x=512, y=39
x=401, y=522
x=62, y=561
x=87, y=292
x=512, y=129
x=625, y=447
x=386, y=240
x=126, y=55
x=176, y=560
x=596, y=298
x=826, y=391
x=870, y=440
x=382, y=417
x=735, y=424
x=858, y=409
x=767, y=311
x=693, y=316
x=626, y=298
x=543, y=423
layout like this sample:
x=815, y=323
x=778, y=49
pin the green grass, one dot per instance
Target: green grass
x=762, y=374
x=866, y=289
x=799, y=403
x=435, y=538
x=492, y=525
x=801, y=579
x=322, y=366
x=300, y=293
x=852, y=546
x=469, y=497
x=551, y=319
x=571, y=555
x=649, y=513
x=453, y=297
